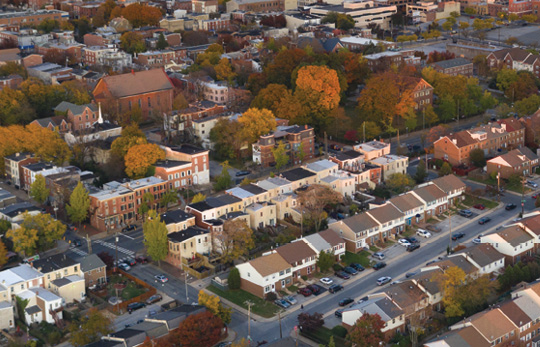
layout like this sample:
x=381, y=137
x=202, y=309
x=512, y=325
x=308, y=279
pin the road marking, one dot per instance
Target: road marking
x=129, y=237
x=113, y=246
x=78, y=251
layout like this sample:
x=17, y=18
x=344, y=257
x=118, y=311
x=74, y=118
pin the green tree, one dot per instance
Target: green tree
x=38, y=190
x=224, y=180
x=162, y=42
x=132, y=42
x=301, y=153
x=505, y=78
x=170, y=197
x=449, y=282
x=79, y=204
x=198, y=198
x=234, y=279
x=280, y=155
x=36, y=233
x=91, y=328
x=3, y=254
x=398, y=182
x=477, y=157
x=470, y=11
x=446, y=169
x=155, y=237
x=147, y=204
x=421, y=172
x=325, y=261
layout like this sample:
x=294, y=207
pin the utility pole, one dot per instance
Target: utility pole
x=280, y=330
x=116, y=247
x=498, y=187
x=249, y=304
x=185, y=282
x=364, y=132
x=450, y=234
x=523, y=195
x=326, y=145
x=89, y=243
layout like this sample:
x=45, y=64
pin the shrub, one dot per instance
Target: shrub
x=271, y=296
x=337, y=267
x=339, y=330
x=234, y=279
x=304, y=277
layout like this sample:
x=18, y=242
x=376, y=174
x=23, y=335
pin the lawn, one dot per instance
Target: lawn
x=292, y=289
x=131, y=290
x=361, y=258
x=240, y=297
x=472, y=200
x=322, y=336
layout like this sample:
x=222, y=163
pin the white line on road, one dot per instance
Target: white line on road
x=78, y=251
x=129, y=237
x=113, y=246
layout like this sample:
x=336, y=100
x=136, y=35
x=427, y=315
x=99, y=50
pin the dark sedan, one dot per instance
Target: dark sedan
x=357, y=267
x=345, y=302
x=457, y=236
x=343, y=275
x=379, y=266
x=483, y=220
x=413, y=247
x=350, y=270
x=510, y=207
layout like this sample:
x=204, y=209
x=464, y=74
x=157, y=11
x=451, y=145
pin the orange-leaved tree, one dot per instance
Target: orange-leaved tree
x=140, y=158
x=203, y=329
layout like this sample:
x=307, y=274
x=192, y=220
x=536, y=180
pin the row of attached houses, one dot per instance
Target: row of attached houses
x=389, y=219
x=285, y=265
x=48, y=284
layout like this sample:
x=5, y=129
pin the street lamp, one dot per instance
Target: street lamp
x=116, y=247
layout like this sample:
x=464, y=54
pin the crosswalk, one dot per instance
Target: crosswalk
x=78, y=251
x=126, y=253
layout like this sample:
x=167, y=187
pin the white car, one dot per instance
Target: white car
x=383, y=280
x=161, y=278
x=423, y=233
x=326, y=280
x=404, y=242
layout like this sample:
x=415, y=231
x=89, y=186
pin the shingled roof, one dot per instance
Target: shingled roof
x=135, y=83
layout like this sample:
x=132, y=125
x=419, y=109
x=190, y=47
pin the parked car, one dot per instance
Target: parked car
x=413, y=247
x=465, y=213
x=404, y=242
x=479, y=206
x=242, y=173
x=129, y=228
x=134, y=306
x=282, y=303
x=161, y=278
x=433, y=228
x=343, y=275
x=483, y=220
x=291, y=300
x=350, y=270
x=410, y=274
x=131, y=262
x=315, y=289
x=77, y=242
x=335, y=288
x=532, y=184
x=141, y=259
x=378, y=255
x=304, y=291
x=430, y=262
x=383, y=280
x=457, y=236
x=423, y=233
x=379, y=266
x=477, y=240
x=153, y=299
x=339, y=312
x=510, y=207
x=412, y=240
x=345, y=302
x=535, y=196
x=124, y=266
x=326, y=280
x=357, y=267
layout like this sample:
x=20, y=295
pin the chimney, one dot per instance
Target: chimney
x=132, y=72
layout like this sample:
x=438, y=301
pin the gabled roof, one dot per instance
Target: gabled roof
x=331, y=237
x=482, y=254
x=515, y=158
x=385, y=213
x=430, y=193
x=269, y=264
x=514, y=235
x=56, y=121
x=515, y=314
x=406, y=202
x=357, y=223
x=449, y=183
x=405, y=294
x=65, y=106
x=492, y=324
x=296, y=252
x=91, y=262
x=136, y=83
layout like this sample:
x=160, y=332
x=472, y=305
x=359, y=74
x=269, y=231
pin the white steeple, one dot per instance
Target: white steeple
x=100, y=119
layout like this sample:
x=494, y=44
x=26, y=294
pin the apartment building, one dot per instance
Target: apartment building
x=454, y=67
x=177, y=173
x=491, y=138
x=373, y=149
x=30, y=171
x=391, y=164
x=453, y=186
x=516, y=59
x=199, y=159
x=180, y=120
x=294, y=137
x=117, y=204
x=13, y=166
x=520, y=161
x=155, y=58
x=106, y=56
x=434, y=199
x=62, y=276
x=32, y=18
x=185, y=244
x=269, y=273
x=412, y=207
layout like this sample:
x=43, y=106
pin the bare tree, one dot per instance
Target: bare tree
x=314, y=199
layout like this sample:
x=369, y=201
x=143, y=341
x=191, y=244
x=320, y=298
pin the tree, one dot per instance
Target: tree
x=421, y=172
x=79, y=204
x=235, y=240
x=446, y=169
x=270, y=97
x=162, y=42
x=132, y=42
x=91, y=328
x=155, y=237
x=36, y=233
x=169, y=197
x=227, y=138
x=523, y=87
x=309, y=322
x=505, y=78
x=314, y=199
x=107, y=259
x=38, y=190
x=449, y=283
x=325, y=261
x=140, y=15
x=318, y=90
x=180, y=102
x=198, y=198
x=342, y=21
x=202, y=329
x=213, y=304
x=224, y=180
x=233, y=280
x=531, y=18
x=399, y=182
x=512, y=17
x=140, y=158
x=477, y=157
x=255, y=123
x=148, y=203
x=224, y=71
x=131, y=136
x=528, y=105
x=366, y=331
x=3, y=254
x=280, y=156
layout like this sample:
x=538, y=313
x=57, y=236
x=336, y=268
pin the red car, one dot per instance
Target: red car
x=304, y=291
x=479, y=206
x=535, y=196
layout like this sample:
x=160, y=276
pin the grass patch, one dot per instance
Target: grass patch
x=261, y=307
x=432, y=220
x=361, y=258
x=473, y=200
x=374, y=248
x=131, y=290
x=322, y=336
x=292, y=289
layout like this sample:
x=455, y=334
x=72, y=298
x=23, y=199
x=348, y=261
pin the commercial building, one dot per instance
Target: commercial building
x=364, y=12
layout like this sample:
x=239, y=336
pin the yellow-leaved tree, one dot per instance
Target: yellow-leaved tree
x=213, y=304
x=256, y=122
x=140, y=158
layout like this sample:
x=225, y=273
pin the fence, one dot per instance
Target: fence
x=143, y=297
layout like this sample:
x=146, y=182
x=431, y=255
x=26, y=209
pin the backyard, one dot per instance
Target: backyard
x=474, y=200
x=127, y=289
x=361, y=258
x=239, y=297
